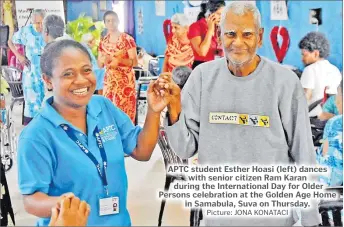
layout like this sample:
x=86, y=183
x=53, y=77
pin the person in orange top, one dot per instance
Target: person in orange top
x=117, y=52
x=178, y=51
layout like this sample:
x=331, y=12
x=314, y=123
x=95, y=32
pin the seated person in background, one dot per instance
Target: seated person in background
x=319, y=72
x=180, y=75
x=143, y=58
x=71, y=212
x=329, y=109
x=179, y=51
x=330, y=154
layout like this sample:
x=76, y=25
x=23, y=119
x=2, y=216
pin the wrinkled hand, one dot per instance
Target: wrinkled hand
x=162, y=92
x=24, y=61
x=157, y=98
x=72, y=212
x=166, y=84
x=165, y=81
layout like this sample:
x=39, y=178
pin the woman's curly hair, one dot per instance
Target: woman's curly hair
x=316, y=41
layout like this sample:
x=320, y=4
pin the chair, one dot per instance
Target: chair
x=139, y=72
x=13, y=78
x=333, y=207
x=141, y=93
x=170, y=158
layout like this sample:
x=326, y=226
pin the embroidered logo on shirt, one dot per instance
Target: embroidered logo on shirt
x=239, y=119
x=108, y=133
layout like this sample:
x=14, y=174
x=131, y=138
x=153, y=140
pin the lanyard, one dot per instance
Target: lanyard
x=83, y=148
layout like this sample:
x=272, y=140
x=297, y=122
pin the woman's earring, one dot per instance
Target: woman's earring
x=50, y=88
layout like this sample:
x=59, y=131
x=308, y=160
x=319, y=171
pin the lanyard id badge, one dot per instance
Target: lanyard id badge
x=107, y=204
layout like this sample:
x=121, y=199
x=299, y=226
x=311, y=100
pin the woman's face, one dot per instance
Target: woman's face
x=309, y=57
x=178, y=30
x=73, y=81
x=111, y=22
x=218, y=14
x=37, y=21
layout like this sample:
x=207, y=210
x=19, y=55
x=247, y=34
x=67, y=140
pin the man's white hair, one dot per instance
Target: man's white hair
x=38, y=12
x=240, y=8
x=180, y=19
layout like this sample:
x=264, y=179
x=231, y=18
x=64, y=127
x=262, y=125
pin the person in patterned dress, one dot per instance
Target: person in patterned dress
x=179, y=51
x=330, y=154
x=33, y=86
x=117, y=52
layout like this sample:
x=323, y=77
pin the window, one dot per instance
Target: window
x=95, y=11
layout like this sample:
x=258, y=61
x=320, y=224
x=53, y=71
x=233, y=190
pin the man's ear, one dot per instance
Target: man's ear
x=261, y=32
x=47, y=81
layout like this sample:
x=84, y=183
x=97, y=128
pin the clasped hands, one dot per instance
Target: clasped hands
x=70, y=211
x=162, y=92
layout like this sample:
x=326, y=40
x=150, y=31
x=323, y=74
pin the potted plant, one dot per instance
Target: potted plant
x=84, y=30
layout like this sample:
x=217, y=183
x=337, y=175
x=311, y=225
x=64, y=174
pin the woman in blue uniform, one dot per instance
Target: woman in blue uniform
x=76, y=144
x=31, y=37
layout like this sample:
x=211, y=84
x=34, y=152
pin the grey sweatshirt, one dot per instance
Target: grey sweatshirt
x=271, y=93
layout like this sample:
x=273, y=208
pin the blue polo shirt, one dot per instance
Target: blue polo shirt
x=51, y=163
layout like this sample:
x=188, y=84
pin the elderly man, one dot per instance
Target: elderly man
x=30, y=36
x=319, y=73
x=264, y=104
